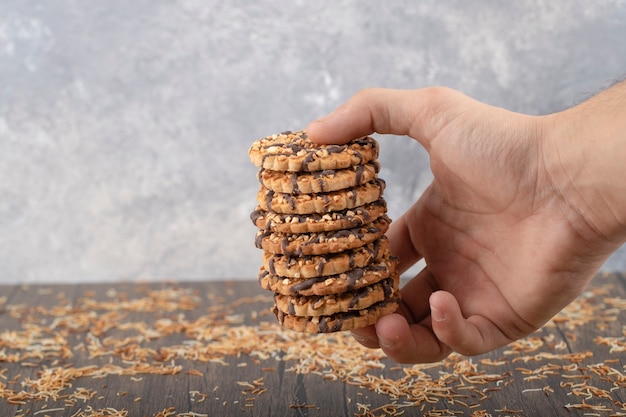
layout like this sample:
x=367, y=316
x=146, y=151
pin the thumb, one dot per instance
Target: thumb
x=420, y=114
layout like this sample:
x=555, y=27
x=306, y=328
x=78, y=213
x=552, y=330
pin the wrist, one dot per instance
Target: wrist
x=584, y=150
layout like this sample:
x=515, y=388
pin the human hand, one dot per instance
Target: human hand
x=507, y=240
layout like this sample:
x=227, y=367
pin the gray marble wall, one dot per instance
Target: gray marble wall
x=124, y=125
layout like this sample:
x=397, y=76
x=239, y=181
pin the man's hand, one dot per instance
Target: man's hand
x=506, y=242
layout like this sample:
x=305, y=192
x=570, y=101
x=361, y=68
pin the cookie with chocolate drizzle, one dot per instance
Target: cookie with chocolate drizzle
x=337, y=322
x=327, y=264
x=319, y=181
x=320, y=203
x=323, y=242
x=293, y=151
x=318, y=222
x=326, y=305
x=331, y=284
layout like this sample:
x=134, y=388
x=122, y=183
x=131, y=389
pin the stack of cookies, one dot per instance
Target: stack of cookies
x=322, y=222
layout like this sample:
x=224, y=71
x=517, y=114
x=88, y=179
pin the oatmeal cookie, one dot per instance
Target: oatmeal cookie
x=293, y=151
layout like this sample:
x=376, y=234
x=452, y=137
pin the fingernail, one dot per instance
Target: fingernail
x=362, y=340
x=386, y=343
x=437, y=315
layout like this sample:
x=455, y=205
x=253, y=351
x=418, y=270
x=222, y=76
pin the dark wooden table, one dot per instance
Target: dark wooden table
x=213, y=349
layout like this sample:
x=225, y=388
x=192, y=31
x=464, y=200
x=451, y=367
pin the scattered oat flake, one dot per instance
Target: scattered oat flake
x=119, y=345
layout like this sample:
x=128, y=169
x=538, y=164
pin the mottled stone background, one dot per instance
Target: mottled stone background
x=124, y=125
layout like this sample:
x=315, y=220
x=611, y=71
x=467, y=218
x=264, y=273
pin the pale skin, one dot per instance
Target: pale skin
x=521, y=214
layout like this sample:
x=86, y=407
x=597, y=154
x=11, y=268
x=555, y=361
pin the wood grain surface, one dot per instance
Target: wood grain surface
x=213, y=349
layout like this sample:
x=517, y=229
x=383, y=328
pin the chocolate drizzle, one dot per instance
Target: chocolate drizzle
x=290, y=200
x=359, y=173
x=272, y=266
x=269, y=196
x=321, y=263
x=258, y=214
x=258, y=239
x=307, y=160
x=306, y=284
x=357, y=296
x=294, y=183
x=323, y=325
x=354, y=275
